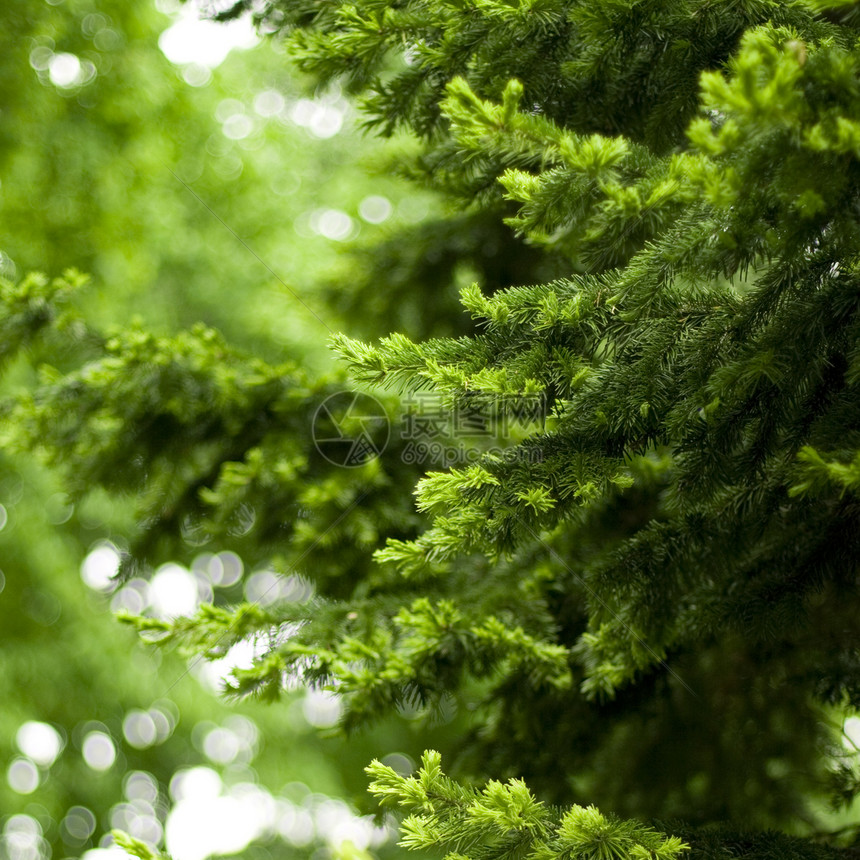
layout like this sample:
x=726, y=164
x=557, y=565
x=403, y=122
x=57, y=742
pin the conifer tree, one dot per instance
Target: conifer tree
x=643, y=600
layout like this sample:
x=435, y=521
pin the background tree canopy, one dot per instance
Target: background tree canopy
x=601, y=551
x=92, y=172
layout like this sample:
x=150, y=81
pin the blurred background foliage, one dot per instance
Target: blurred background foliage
x=213, y=188
x=103, y=138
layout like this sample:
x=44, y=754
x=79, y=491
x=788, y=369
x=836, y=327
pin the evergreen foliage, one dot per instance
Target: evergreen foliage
x=648, y=599
x=504, y=819
x=86, y=179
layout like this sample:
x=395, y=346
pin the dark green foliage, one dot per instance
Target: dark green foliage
x=432, y=259
x=216, y=447
x=646, y=595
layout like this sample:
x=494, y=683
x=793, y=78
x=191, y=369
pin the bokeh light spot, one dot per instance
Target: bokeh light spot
x=107, y=39
x=196, y=75
x=851, y=728
x=375, y=209
x=132, y=597
x=40, y=58
x=137, y=818
x=23, y=840
x=140, y=785
x=212, y=673
x=321, y=708
x=269, y=103
x=201, y=827
x=191, y=40
x=99, y=751
x=65, y=70
x=22, y=776
x=237, y=126
x=78, y=825
x=296, y=826
x=413, y=209
x=164, y=719
x=196, y=782
x=59, y=509
x=92, y=23
x=8, y=269
x=321, y=119
x=139, y=729
x=399, y=762
x=173, y=591
x=332, y=223
x=40, y=742
x=221, y=746
x=265, y=587
x=100, y=567
x=222, y=570
x=112, y=852
x=246, y=730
